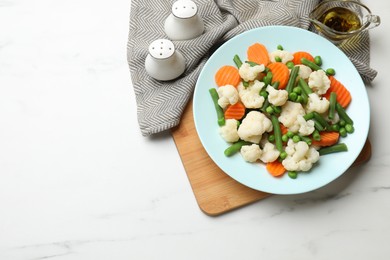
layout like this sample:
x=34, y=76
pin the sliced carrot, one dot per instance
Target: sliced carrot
x=301, y=54
x=275, y=168
x=327, y=139
x=236, y=111
x=258, y=53
x=227, y=75
x=280, y=72
x=283, y=129
x=343, y=95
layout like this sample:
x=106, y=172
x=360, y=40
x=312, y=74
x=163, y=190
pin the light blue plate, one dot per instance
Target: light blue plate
x=254, y=175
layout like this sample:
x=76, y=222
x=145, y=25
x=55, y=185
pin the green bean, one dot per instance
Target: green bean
x=251, y=63
x=349, y=128
x=218, y=108
x=305, y=87
x=343, y=114
x=309, y=116
x=316, y=135
x=340, y=147
x=277, y=133
x=321, y=120
x=332, y=104
x=318, y=60
x=263, y=93
x=276, y=84
x=305, y=97
x=310, y=64
x=234, y=148
x=277, y=109
x=292, y=78
x=306, y=139
x=318, y=126
x=237, y=61
x=265, y=105
x=268, y=78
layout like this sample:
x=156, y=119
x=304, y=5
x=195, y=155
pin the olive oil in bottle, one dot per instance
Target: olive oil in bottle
x=341, y=19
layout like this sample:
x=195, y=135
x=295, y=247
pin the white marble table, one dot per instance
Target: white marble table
x=78, y=180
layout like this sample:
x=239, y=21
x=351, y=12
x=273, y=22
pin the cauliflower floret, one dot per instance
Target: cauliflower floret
x=305, y=127
x=270, y=153
x=251, y=153
x=250, y=95
x=249, y=73
x=228, y=95
x=277, y=97
x=304, y=71
x=253, y=126
x=319, y=82
x=317, y=104
x=229, y=131
x=300, y=157
x=290, y=111
x=285, y=56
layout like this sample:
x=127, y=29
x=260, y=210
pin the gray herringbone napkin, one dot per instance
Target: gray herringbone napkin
x=161, y=104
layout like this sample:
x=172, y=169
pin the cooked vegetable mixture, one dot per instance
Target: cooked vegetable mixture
x=281, y=109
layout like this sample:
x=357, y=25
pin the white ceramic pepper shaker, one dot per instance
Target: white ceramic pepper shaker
x=183, y=23
x=164, y=62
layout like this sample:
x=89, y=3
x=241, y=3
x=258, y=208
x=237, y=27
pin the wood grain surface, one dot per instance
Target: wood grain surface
x=216, y=192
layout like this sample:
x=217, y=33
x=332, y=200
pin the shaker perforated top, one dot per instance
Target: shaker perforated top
x=161, y=49
x=184, y=9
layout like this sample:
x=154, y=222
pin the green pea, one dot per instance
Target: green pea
x=280, y=47
x=269, y=110
x=290, y=64
x=278, y=59
x=271, y=138
x=297, y=90
x=296, y=138
x=292, y=174
x=318, y=60
x=290, y=134
x=283, y=155
x=330, y=72
x=343, y=132
x=293, y=96
x=335, y=127
x=284, y=138
x=342, y=123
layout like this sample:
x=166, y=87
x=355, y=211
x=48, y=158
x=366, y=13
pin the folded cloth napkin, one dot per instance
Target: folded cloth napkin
x=161, y=104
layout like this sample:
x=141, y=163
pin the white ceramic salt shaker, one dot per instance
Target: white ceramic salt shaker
x=164, y=62
x=183, y=23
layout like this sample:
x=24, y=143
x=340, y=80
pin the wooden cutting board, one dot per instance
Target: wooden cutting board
x=214, y=190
